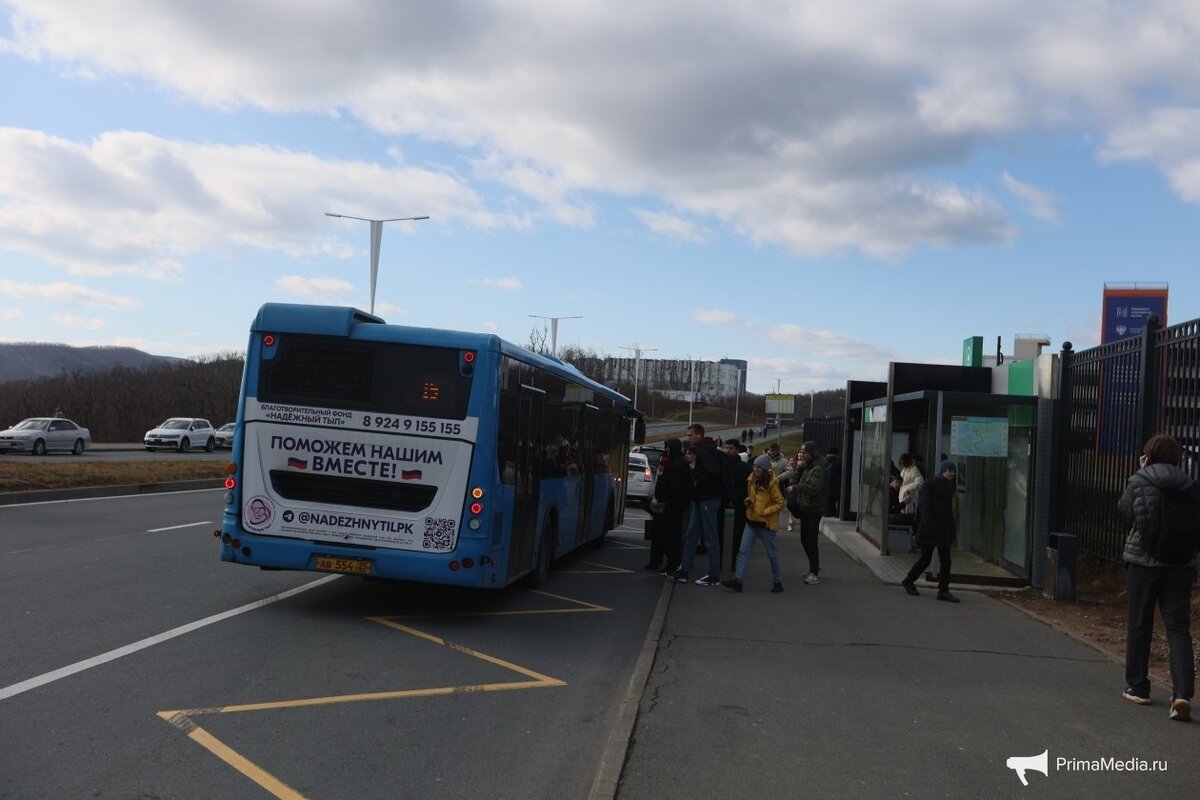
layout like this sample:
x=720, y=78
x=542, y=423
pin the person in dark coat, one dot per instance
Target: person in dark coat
x=1163, y=504
x=936, y=529
x=673, y=490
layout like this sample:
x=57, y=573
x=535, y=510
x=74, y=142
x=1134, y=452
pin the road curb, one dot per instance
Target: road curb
x=612, y=762
x=51, y=495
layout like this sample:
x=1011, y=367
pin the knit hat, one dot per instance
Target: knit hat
x=763, y=462
x=947, y=465
x=809, y=447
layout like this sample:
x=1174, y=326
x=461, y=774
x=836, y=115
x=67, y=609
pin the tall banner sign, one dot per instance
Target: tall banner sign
x=1124, y=316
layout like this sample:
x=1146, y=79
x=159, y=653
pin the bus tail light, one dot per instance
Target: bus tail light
x=476, y=508
x=230, y=483
x=468, y=563
x=454, y=565
x=217, y=533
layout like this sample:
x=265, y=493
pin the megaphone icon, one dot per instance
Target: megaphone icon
x=1022, y=763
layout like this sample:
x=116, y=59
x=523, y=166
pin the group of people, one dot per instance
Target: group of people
x=700, y=481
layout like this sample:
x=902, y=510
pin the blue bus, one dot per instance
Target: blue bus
x=417, y=454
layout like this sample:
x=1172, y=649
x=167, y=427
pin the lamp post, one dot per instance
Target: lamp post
x=637, y=360
x=737, y=397
x=554, y=331
x=376, y=240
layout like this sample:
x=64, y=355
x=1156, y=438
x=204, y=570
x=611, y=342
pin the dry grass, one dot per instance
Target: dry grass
x=21, y=476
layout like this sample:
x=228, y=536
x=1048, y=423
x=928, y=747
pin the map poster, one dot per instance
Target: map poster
x=979, y=436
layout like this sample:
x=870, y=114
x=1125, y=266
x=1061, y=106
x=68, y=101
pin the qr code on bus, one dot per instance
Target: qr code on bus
x=439, y=534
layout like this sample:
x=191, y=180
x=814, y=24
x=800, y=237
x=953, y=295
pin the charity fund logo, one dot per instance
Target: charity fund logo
x=1041, y=763
x=1036, y=763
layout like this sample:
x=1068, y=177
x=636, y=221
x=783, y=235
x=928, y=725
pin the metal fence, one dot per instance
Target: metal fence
x=1113, y=398
x=826, y=432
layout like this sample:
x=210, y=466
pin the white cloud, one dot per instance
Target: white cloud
x=389, y=310
x=713, y=316
x=69, y=293
x=671, y=226
x=131, y=203
x=490, y=325
x=84, y=323
x=811, y=125
x=316, y=287
x=1040, y=203
x=10, y=314
x=828, y=345
x=1169, y=138
x=509, y=284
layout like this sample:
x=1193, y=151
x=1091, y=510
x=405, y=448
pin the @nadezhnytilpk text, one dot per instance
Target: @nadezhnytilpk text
x=1042, y=761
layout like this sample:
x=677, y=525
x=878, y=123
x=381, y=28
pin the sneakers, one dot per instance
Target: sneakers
x=734, y=584
x=946, y=597
x=1181, y=709
x=776, y=588
x=708, y=580
x=908, y=587
x=1129, y=695
x=679, y=576
x=811, y=579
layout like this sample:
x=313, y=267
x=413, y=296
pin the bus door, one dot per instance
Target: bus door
x=592, y=464
x=529, y=457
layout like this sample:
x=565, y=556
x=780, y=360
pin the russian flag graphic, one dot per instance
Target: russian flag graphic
x=410, y=474
x=298, y=463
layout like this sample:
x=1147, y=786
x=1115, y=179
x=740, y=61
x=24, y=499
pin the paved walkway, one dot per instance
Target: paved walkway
x=851, y=688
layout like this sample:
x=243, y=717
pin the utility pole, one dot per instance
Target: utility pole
x=376, y=241
x=554, y=331
x=637, y=360
x=737, y=397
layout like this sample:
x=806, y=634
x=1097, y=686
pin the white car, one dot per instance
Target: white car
x=639, y=484
x=225, y=436
x=182, y=434
x=38, y=435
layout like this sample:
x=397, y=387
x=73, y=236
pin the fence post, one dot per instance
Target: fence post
x=1062, y=437
x=1148, y=385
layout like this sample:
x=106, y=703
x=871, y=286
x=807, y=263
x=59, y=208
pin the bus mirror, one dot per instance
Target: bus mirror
x=639, y=430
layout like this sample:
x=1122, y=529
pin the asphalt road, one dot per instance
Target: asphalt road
x=137, y=665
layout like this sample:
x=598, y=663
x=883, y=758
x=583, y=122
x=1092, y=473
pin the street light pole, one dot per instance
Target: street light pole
x=737, y=397
x=554, y=331
x=637, y=360
x=376, y=241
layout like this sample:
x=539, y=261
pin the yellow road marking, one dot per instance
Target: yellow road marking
x=183, y=719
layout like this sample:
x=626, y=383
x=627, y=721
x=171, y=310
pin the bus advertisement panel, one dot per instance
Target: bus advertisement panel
x=416, y=454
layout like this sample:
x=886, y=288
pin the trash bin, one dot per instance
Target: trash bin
x=1060, y=566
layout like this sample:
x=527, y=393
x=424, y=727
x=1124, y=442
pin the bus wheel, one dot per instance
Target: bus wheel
x=545, y=555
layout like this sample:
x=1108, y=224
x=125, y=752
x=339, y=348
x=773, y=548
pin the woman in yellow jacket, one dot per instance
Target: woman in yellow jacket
x=763, y=501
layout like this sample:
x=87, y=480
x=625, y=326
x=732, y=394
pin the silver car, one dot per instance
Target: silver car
x=639, y=484
x=39, y=435
x=225, y=436
x=182, y=434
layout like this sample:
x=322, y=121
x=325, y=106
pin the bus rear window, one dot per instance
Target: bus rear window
x=384, y=377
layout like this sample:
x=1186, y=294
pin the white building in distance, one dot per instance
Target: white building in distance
x=679, y=379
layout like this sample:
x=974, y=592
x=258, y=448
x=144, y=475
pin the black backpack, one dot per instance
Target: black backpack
x=1178, y=528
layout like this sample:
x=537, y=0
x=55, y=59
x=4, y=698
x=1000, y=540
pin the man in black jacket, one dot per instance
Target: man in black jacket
x=707, y=490
x=936, y=529
x=736, y=474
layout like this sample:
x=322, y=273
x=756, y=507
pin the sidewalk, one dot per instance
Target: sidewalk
x=852, y=688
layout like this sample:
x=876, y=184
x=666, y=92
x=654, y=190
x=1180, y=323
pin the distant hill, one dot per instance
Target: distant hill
x=33, y=360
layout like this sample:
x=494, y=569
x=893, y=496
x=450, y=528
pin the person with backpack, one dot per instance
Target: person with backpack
x=1163, y=504
x=708, y=485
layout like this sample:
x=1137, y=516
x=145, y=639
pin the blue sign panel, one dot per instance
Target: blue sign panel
x=1125, y=314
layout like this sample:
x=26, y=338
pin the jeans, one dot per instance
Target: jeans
x=704, y=516
x=757, y=530
x=1170, y=588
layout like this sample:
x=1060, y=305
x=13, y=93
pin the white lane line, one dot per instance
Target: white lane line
x=120, y=652
x=177, y=527
x=108, y=497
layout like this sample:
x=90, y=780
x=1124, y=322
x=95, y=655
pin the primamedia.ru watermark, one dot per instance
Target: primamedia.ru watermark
x=1023, y=765
x=1110, y=764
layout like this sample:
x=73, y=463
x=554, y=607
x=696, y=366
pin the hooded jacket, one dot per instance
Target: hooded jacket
x=1142, y=503
x=765, y=501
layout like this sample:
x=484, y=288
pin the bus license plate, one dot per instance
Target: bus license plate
x=353, y=566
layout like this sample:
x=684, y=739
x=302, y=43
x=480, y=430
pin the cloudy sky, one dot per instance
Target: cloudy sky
x=817, y=187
